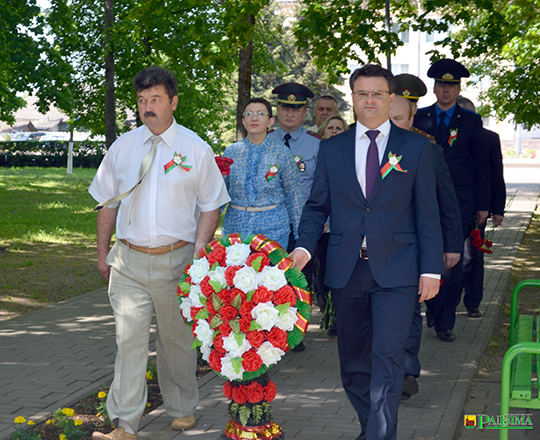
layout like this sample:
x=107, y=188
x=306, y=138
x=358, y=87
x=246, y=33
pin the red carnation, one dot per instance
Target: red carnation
x=239, y=395
x=285, y=295
x=251, y=361
x=475, y=233
x=218, y=255
x=225, y=329
x=193, y=327
x=477, y=242
x=245, y=324
x=488, y=243
x=277, y=337
x=230, y=273
x=218, y=344
x=246, y=308
x=227, y=389
x=264, y=260
x=210, y=308
x=262, y=295
x=214, y=360
x=270, y=391
x=194, y=311
x=228, y=312
x=224, y=164
x=206, y=288
x=256, y=338
x=255, y=392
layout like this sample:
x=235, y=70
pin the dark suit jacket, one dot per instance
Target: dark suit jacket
x=401, y=219
x=498, y=187
x=467, y=158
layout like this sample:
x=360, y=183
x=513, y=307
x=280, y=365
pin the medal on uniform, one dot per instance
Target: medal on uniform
x=302, y=166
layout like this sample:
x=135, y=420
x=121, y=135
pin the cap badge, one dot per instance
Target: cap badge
x=291, y=97
x=406, y=92
x=448, y=76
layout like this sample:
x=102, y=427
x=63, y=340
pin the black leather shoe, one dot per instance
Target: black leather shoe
x=299, y=348
x=410, y=387
x=429, y=318
x=446, y=336
x=473, y=312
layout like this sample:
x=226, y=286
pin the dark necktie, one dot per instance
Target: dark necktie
x=372, y=161
x=287, y=137
x=444, y=133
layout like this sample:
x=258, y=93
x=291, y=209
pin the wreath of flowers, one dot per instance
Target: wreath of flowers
x=245, y=304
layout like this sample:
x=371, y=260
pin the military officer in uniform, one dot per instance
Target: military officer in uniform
x=459, y=132
x=409, y=89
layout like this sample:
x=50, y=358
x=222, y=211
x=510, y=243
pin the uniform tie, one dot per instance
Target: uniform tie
x=444, y=133
x=145, y=166
x=372, y=161
x=287, y=137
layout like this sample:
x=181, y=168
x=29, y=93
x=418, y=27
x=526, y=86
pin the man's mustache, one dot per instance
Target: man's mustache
x=148, y=114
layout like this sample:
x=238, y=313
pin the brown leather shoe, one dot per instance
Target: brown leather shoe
x=118, y=434
x=183, y=423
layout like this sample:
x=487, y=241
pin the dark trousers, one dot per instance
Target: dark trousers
x=412, y=363
x=373, y=325
x=321, y=289
x=473, y=272
x=308, y=269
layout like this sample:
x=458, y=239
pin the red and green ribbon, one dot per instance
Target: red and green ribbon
x=392, y=164
x=453, y=136
x=272, y=172
x=177, y=160
x=297, y=158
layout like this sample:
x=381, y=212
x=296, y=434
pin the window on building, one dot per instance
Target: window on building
x=400, y=68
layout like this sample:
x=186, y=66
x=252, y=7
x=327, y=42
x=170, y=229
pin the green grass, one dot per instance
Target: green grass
x=46, y=205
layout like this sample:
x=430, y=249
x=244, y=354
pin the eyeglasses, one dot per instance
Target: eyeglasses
x=362, y=95
x=251, y=114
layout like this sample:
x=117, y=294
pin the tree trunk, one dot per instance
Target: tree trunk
x=244, y=80
x=110, y=110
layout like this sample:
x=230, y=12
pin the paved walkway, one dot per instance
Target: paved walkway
x=53, y=357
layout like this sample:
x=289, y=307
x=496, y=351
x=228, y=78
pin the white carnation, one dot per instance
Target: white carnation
x=204, y=333
x=265, y=314
x=233, y=348
x=272, y=277
x=228, y=371
x=206, y=349
x=198, y=270
x=245, y=279
x=269, y=354
x=186, y=306
x=237, y=254
x=287, y=320
x=195, y=295
x=218, y=274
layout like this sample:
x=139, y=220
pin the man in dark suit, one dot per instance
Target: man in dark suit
x=459, y=132
x=473, y=259
x=409, y=89
x=377, y=183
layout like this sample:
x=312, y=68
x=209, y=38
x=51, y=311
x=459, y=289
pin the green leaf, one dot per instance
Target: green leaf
x=244, y=413
x=236, y=364
x=202, y=314
x=233, y=409
x=216, y=302
x=196, y=343
x=216, y=321
x=235, y=325
x=249, y=295
x=257, y=412
x=254, y=326
x=184, y=287
x=282, y=308
x=256, y=264
x=237, y=302
x=239, y=338
x=216, y=285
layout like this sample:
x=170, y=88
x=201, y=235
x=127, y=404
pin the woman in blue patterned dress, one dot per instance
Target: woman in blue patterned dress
x=263, y=184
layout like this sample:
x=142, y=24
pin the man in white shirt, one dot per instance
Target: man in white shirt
x=171, y=191
x=325, y=107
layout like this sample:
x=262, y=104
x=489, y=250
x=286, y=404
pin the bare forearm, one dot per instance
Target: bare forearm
x=106, y=221
x=208, y=222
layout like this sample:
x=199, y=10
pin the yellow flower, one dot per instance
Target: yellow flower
x=78, y=422
x=31, y=422
x=63, y=437
x=149, y=375
x=68, y=412
x=148, y=404
x=48, y=422
x=102, y=394
x=20, y=420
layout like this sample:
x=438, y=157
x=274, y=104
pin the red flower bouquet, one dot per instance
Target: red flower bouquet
x=246, y=307
x=482, y=244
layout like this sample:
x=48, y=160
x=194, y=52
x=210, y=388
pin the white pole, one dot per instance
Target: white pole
x=70, y=158
x=518, y=140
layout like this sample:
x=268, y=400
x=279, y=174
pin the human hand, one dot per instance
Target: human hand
x=481, y=217
x=300, y=258
x=497, y=219
x=104, y=268
x=451, y=259
x=428, y=287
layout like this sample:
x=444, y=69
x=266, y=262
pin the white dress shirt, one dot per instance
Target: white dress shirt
x=167, y=206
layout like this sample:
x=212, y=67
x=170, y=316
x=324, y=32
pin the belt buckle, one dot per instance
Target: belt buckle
x=363, y=254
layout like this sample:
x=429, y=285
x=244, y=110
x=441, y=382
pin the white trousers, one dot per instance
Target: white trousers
x=139, y=286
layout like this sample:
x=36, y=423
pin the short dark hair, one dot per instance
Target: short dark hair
x=372, y=70
x=156, y=76
x=330, y=97
x=260, y=101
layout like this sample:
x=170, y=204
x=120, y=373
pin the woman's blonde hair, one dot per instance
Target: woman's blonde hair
x=323, y=126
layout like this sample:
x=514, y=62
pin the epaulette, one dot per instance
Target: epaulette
x=423, y=133
x=271, y=131
x=312, y=133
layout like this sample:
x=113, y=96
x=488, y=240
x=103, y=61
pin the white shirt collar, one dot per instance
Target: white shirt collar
x=167, y=136
x=384, y=129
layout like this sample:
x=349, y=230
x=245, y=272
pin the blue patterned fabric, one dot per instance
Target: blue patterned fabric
x=248, y=186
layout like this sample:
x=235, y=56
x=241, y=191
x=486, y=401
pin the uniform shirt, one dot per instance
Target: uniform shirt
x=449, y=114
x=248, y=185
x=306, y=147
x=168, y=205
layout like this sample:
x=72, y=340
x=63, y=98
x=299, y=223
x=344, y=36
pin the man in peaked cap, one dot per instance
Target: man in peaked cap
x=304, y=144
x=466, y=152
x=409, y=89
